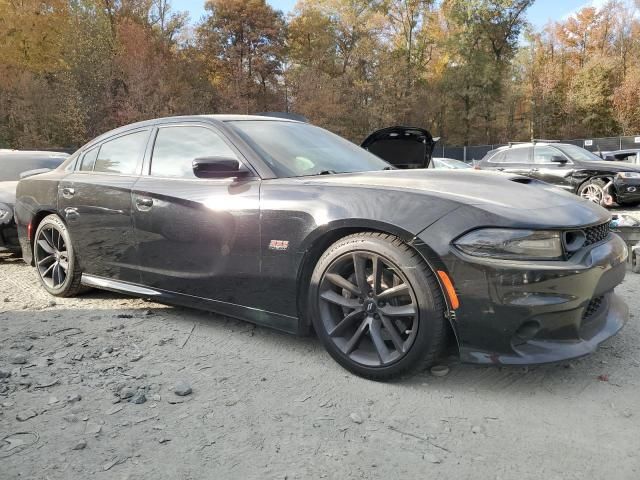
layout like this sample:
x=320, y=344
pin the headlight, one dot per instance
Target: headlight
x=4, y=213
x=629, y=174
x=512, y=244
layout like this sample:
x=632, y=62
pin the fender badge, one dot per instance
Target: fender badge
x=278, y=244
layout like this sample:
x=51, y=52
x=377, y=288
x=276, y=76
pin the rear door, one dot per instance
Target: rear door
x=511, y=160
x=95, y=201
x=197, y=236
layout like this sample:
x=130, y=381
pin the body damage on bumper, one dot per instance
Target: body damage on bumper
x=534, y=312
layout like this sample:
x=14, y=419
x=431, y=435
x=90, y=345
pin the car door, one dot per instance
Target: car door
x=197, y=236
x=552, y=166
x=95, y=201
x=511, y=160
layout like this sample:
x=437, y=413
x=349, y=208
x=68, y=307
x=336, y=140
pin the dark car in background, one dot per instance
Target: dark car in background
x=571, y=168
x=13, y=164
x=631, y=156
x=287, y=225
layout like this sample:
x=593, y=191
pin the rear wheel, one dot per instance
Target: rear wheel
x=377, y=307
x=54, y=258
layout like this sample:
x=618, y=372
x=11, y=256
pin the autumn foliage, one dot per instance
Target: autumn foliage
x=472, y=71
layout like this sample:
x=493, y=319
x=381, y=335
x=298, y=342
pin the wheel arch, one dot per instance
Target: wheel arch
x=321, y=240
x=35, y=222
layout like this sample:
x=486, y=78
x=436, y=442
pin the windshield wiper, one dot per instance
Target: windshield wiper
x=326, y=172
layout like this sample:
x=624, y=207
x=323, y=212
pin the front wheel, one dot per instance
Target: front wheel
x=377, y=307
x=593, y=190
x=54, y=258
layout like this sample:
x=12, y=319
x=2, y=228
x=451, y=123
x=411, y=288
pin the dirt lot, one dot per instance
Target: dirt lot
x=269, y=405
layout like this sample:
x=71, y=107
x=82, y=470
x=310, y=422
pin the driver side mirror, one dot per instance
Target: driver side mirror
x=218, y=167
x=558, y=159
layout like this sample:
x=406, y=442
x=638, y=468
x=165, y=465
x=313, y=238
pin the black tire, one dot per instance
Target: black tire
x=355, y=335
x=635, y=261
x=589, y=189
x=629, y=204
x=52, y=251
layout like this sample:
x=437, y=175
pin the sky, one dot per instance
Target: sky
x=539, y=14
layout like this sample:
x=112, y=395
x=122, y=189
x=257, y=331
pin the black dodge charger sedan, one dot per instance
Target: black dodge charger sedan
x=284, y=224
x=571, y=168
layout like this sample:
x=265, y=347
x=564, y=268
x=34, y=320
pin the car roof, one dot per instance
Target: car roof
x=213, y=118
x=531, y=144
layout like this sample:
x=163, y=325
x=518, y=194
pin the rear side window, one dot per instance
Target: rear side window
x=122, y=155
x=89, y=160
x=517, y=155
x=176, y=148
x=497, y=158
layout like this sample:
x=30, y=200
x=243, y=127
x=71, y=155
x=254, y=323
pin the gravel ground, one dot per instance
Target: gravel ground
x=268, y=405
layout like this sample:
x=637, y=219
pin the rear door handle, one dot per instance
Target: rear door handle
x=500, y=169
x=144, y=203
x=535, y=169
x=68, y=192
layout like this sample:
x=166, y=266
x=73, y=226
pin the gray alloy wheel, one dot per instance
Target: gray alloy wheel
x=593, y=190
x=368, y=308
x=54, y=259
x=377, y=307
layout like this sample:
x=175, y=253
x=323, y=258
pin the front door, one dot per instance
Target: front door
x=195, y=236
x=95, y=201
x=552, y=166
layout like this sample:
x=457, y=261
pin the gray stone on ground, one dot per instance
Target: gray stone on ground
x=355, y=418
x=182, y=388
x=73, y=397
x=126, y=392
x=19, y=358
x=25, y=415
x=81, y=445
x=5, y=373
x=138, y=398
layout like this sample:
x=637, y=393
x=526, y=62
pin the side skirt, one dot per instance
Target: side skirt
x=277, y=321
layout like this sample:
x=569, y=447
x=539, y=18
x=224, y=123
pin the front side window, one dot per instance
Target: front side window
x=176, y=148
x=544, y=154
x=122, y=155
x=295, y=149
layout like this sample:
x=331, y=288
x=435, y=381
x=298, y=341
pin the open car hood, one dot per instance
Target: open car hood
x=402, y=147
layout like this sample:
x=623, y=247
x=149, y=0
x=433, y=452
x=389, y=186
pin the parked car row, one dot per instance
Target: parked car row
x=571, y=168
x=15, y=164
x=284, y=224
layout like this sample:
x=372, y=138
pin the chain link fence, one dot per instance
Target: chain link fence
x=596, y=145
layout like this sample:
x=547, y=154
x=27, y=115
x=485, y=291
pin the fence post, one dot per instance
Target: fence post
x=464, y=154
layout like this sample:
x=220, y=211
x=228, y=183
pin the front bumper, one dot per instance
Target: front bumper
x=627, y=189
x=538, y=312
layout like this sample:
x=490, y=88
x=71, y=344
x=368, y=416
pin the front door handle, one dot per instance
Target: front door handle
x=68, y=192
x=500, y=169
x=535, y=169
x=144, y=203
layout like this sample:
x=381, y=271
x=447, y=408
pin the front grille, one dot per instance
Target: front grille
x=593, y=307
x=596, y=234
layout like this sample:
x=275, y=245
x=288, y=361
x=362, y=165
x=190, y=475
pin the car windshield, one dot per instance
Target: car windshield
x=578, y=153
x=298, y=149
x=449, y=163
x=13, y=164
